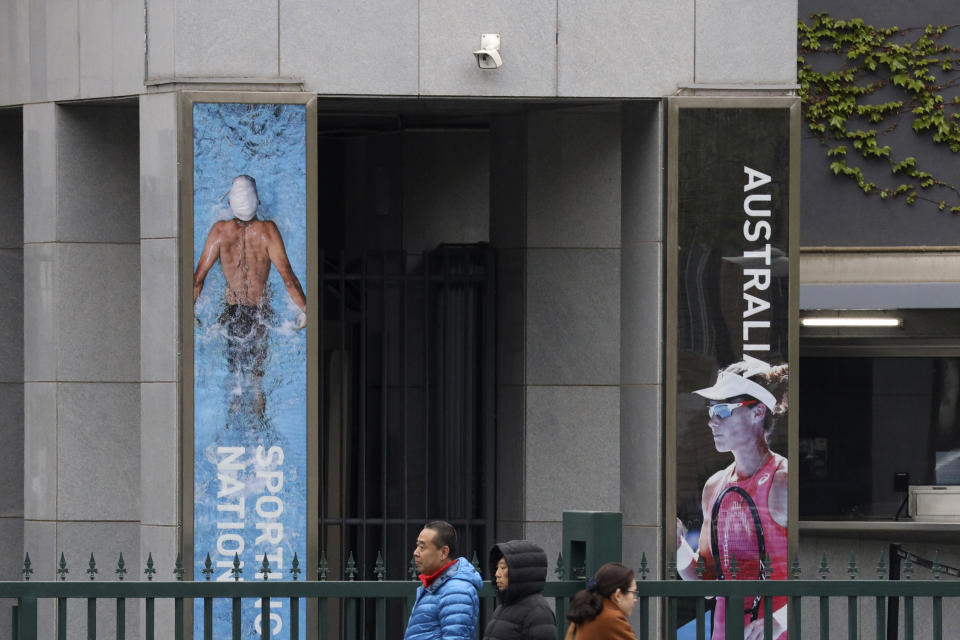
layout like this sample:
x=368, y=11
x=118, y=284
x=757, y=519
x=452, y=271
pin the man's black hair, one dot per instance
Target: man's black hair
x=445, y=535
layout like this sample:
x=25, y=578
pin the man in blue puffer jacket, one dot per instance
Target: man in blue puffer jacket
x=448, y=601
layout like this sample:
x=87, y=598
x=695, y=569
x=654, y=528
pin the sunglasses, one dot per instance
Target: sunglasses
x=724, y=410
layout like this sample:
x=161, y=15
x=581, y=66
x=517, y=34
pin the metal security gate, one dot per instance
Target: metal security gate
x=406, y=405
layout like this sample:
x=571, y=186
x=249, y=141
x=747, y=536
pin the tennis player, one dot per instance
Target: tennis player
x=743, y=407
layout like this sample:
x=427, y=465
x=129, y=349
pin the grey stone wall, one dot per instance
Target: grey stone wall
x=641, y=321
x=158, y=485
x=576, y=215
x=60, y=50
x=835, y=213
x=81, y=358
x=572, y=318
x=11, y=351
x=736, y=43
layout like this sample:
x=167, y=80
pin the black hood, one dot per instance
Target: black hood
x=526, y=568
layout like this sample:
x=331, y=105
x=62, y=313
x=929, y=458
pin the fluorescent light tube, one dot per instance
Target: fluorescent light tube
x=851, y=322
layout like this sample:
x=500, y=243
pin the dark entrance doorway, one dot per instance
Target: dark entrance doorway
x=407, y=339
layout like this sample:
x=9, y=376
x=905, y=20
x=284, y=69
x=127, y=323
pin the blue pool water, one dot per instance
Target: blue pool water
x=250, y=468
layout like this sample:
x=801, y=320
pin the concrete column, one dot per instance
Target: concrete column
x=576, y=217
x=572, y=318
x=40, y=446
x=641, y=318
x=41, y=474
x=11, y=350
x=159, y=341
x=81, y=346
x=641, y=322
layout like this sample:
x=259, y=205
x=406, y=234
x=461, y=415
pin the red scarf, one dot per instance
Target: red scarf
x=428, y=580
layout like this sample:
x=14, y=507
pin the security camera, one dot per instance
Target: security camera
x=488, y=59
x=488, y=55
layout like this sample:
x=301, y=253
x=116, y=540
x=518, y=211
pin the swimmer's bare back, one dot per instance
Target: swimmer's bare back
x=246, y=250
x=245, y=258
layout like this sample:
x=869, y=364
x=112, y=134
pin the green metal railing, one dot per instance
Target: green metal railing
x=183, y=593
x=651, y=594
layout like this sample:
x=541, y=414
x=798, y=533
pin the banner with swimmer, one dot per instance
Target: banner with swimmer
x=731, y=341
x=250, y=248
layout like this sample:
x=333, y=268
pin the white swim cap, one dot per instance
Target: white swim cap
x=243, y=198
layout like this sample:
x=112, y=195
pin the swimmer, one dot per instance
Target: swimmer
x=246, y=247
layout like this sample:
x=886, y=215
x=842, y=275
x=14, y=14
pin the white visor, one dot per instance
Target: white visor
x=731, y=385
x=243, y=198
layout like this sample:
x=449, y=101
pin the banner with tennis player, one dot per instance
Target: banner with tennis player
x=732, y=290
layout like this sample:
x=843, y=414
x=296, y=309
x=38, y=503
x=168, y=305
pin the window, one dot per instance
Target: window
x=872, y=405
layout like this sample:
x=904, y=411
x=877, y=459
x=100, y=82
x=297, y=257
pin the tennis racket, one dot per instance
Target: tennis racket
x=736, y=532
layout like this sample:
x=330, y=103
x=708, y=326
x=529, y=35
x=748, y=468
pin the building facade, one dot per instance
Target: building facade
x=876, y=401
x=552, y=166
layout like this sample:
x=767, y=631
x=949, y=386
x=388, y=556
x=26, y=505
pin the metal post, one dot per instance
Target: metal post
x=672, y=619
x=768, y=617
x=893, y=602
x=351, y=619
x=237, y=616
x=560, y=606
x=264, y=618
x=908, y=617
x=644, y=618
x=322, y=608
x=61, y=619
x=208, y=619
x=178, y=618
x=701, y=618
x=91, y=619
x=381, y=616
x=881, y=616
x=824, y=618
x=852, y=624
x=295, y=618
x=734, y=615
x=937, y=618
x=121, y=618
x=795, y=618
x=27, y=617
x=149, y=619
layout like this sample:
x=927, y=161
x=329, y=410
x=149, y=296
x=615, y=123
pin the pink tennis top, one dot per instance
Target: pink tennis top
x=774, y=537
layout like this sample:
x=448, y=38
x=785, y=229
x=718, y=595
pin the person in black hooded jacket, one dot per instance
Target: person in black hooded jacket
x=520, y=570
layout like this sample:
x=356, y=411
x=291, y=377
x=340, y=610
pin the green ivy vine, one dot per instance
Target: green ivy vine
x=843, y=109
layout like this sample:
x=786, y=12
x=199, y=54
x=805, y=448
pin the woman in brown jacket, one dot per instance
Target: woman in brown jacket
x=600, y=611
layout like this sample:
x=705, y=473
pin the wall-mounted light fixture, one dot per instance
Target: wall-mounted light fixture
x=851, y=321
x=488, y=55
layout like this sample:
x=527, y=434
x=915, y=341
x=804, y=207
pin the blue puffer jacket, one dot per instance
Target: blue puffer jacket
x=448, y=608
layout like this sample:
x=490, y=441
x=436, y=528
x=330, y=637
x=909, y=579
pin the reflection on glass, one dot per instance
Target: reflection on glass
x=864, y=418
